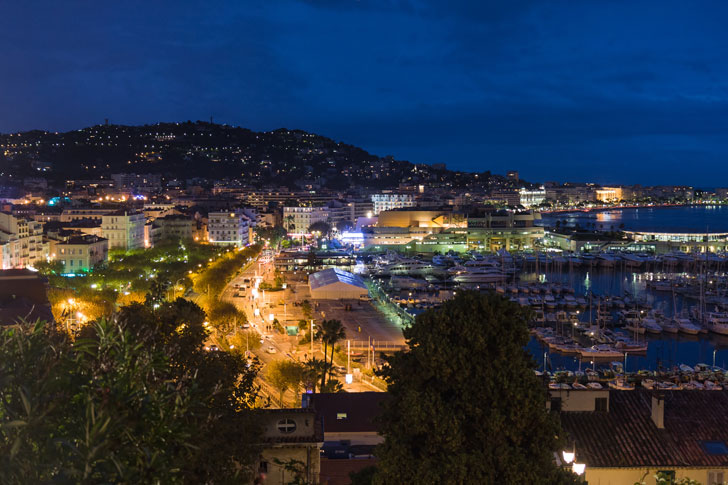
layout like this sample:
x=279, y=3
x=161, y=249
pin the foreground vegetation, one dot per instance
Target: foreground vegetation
x=466, y=406
x=134, y=399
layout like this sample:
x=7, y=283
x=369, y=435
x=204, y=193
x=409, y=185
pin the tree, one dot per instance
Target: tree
x=313, y=371
x=134, y=399
x=466, y=406
x=320, y=227
x=284, y=375
x=330, y=332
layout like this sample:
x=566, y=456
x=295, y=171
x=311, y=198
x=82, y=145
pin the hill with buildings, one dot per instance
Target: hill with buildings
x=188, y=150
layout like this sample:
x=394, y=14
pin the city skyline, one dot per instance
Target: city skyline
x=610, y=94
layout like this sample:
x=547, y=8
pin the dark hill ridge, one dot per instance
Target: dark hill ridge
x=201, y=149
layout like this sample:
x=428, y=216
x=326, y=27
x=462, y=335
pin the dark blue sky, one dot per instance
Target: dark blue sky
x=612, y=91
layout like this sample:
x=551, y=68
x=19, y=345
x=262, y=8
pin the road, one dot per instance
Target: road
x=284, y=306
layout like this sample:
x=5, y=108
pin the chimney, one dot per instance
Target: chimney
x=658, y=410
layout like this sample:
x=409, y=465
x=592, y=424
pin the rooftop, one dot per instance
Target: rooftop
x=695, y=432
x=330, y=276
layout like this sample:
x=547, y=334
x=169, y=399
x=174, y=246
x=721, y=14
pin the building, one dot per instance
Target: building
x=664, y=242
x=388, y=201
x=23, y=294
x=623, y=436
x=336, y=284
x=145, y=182
x=81, y=253
x=532, y=197
x=21, y=242
x=421, y=218
x=297, y=220
x=512, y=175
x=510, y=197
x=95, y=214
x=173, y=227
x=289, y=436
x=124, y=230
x=350, y=431
x=228, y=228
x=609, y=195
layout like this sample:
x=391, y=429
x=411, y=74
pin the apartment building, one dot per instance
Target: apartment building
x=228, y=228
x=21, y=241
x=388, y=201
x=123, y=229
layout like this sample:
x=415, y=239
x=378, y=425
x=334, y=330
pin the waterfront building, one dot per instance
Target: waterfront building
x=336, y=284
x=228, y=228
x=388, y=201
x=80, y=253
x=123, y=229
x=532, y=197
x=21, y=241
x=663, y=242
x=489, y=230
x=609, y=195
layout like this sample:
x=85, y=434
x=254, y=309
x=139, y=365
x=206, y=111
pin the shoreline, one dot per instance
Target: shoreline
x=633, y=206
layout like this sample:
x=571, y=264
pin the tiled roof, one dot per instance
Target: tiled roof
x=626, y=436
x=23, y=295
x=360, y=409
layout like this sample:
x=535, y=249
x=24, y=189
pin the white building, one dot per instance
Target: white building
x=530, y=198
x=21, y=242
x=123, y=229
x=336, y=284
x=228, y=228
x=385, y=202
x=297, y=220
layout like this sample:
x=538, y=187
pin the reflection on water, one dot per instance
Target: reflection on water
x=654, y=219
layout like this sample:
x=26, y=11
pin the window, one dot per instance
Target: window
x=715, y=478
x=286, y=426
x=340, y=415
x=556, y=404
x=668, y=474
x=715, y=447
x=600, y=404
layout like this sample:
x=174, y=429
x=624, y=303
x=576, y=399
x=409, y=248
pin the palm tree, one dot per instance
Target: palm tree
x=313, y=370
x=332, y=331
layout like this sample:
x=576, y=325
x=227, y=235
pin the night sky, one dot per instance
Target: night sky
x=631, y=92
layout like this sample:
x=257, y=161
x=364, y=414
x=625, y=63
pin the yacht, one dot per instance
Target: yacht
x=479, y=275
x=685, y=325
x=607, y=260
x=601, y=352
x=717, y=322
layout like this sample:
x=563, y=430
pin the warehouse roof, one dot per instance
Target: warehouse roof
x=330, y=276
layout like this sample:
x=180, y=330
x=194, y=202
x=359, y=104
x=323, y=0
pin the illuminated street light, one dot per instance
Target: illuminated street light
x=568, y=456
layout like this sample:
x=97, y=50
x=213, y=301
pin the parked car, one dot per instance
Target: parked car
x=271, y=350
